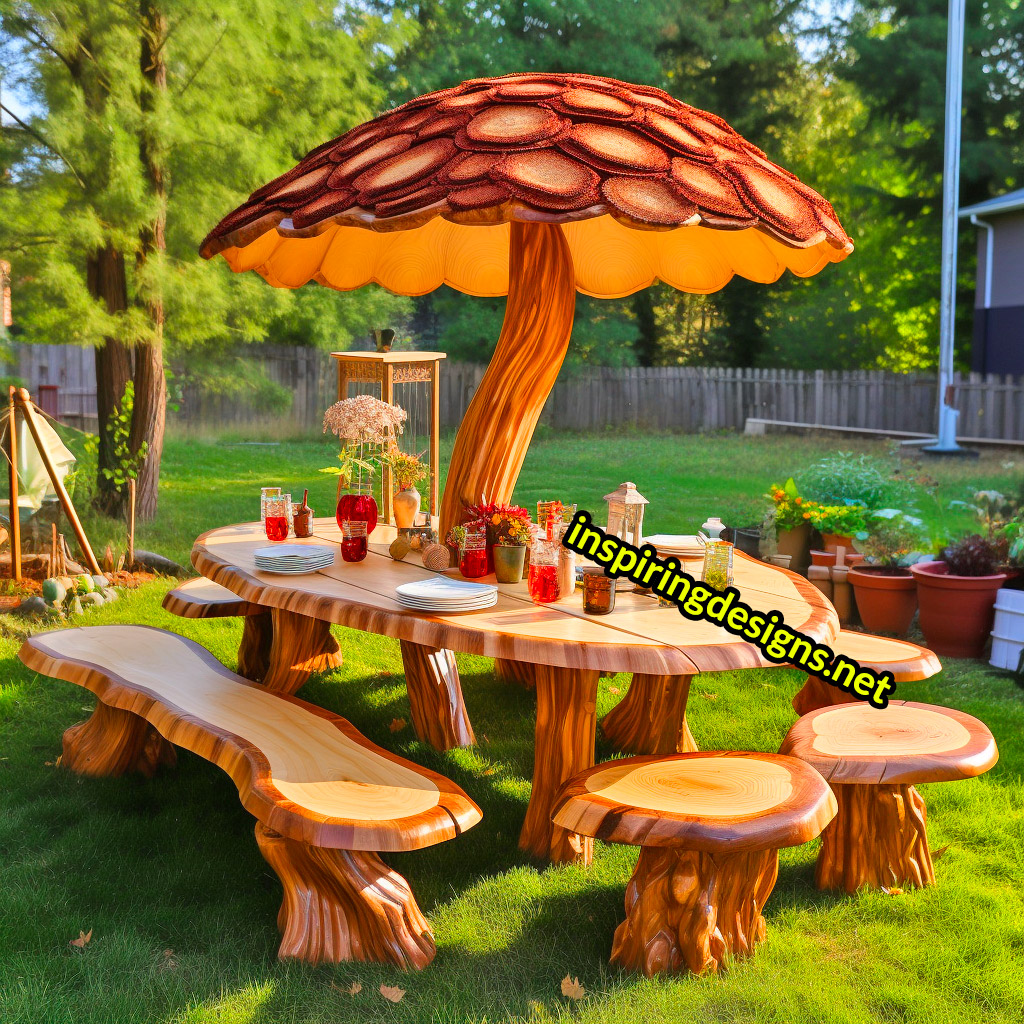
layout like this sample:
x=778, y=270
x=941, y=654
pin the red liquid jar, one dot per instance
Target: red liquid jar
x=543, y=583
x=473, y=557
x=277, y=528
x=353, y=541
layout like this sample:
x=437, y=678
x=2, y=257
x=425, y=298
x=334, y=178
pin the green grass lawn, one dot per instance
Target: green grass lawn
x=167, y=875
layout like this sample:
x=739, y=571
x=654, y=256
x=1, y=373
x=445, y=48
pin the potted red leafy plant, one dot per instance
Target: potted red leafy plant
x=884, y=587
x=957, y=596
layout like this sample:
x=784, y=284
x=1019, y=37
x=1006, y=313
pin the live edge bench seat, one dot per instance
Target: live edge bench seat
x=326, y=799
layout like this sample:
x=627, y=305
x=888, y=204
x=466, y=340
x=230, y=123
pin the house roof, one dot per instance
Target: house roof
x=1001, y=204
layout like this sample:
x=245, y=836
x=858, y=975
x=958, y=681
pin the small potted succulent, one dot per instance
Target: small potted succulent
x=957, y=596
x=884, y=587
x=406, y=471
x=791, y=515
x=510, y=528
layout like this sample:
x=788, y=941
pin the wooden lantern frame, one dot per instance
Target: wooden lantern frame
x=386, y=369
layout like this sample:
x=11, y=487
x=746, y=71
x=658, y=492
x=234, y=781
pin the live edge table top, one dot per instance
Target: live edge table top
x=638, y=636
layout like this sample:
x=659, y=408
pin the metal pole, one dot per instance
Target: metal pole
x=946, y=440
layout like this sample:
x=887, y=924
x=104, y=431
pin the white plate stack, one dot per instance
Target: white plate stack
x=293, y=559
x=682, y=545
x=440, y=594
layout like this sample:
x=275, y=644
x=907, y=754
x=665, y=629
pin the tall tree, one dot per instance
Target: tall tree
x=149, y=120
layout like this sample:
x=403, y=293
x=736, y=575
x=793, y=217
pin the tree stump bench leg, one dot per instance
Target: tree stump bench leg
x=297, y=648
x=651, y=717
x=688, y=910
x=519, y=672
x=344, y=905
x=439, y=713
x=563, y=747
x=113, y=742
x=878, y=837
x=817, y=693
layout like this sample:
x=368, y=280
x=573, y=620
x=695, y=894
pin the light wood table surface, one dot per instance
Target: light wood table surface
x=560, y=648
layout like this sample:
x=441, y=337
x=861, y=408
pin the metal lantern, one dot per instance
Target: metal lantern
x=626, y=513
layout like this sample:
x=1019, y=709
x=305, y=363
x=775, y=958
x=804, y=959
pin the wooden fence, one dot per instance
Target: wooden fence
x=683, y=398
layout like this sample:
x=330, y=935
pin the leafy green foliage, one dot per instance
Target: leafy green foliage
x=126, y=462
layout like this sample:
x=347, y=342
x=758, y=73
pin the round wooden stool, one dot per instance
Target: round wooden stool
x=907, y=663
x=871, y=758
x=710, y=826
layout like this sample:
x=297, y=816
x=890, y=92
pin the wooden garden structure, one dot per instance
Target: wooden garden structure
x=533, y=186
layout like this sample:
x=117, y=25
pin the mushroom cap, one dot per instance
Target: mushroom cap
x=646, y=188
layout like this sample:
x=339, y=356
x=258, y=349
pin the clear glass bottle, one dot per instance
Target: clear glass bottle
x=717, y=569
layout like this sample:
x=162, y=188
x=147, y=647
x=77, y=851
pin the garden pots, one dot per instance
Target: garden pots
x=508, y=562
x=886, y=598
x=748, y=540
x=834, y=541
x=823, y=557
x=956, y=611
x=406, y=504
x=797, y=544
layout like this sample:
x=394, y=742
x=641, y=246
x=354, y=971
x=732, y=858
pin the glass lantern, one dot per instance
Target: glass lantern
x=626, y=514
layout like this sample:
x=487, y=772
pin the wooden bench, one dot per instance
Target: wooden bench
x=871, y=758
x=907, y=662
x=200, y=598
x=326, y=799
x=710, y=826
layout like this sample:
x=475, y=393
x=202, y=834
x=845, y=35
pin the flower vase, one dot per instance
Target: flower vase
x=357, y=508
x=406, y=503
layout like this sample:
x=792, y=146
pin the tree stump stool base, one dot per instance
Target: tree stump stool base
x=710, y=826
x=688, y=910
x=871, y=758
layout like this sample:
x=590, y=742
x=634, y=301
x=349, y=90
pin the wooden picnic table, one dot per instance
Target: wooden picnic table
x=562, y=650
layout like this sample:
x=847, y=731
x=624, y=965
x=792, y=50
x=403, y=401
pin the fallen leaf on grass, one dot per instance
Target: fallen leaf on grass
x=936, y=854
x=82, y=940
x=572, y=989
x=350, y=990
x=392, y=993
x=614, y=689
x=708, y=696
x=892, y=890
x=397, y=724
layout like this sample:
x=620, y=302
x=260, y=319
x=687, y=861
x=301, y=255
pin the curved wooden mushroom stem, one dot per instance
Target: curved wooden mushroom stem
x=257, y=643
x=563, y=747
x=816, y=693
x=496, y=430
x=344, y=905
x=439, y=713
x=519, y=672
x=113, y=742
x=651, y=718
x=877, y=838
x=688, y=910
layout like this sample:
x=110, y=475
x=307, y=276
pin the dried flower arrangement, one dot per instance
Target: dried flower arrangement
x=365, y=419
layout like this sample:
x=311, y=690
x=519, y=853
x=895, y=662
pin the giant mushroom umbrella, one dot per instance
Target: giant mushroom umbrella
x=536, y=186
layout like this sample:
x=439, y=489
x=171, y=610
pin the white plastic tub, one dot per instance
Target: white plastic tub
x=1008, y=630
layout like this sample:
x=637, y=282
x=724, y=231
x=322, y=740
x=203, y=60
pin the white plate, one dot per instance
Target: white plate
x=302, y=551
x=286, y=572
x=443, y=590
x=411, y=602
x=449, y=609
x=294, y=564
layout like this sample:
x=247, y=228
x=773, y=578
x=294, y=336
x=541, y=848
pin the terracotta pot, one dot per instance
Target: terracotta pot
x=832, y=541
x=406, y=504
x=823, y=557
x=886, y=598
x=797, y=544
x=956, y=611
x=508, y=562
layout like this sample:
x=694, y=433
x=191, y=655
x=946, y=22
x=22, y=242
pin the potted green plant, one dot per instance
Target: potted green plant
x=957, y=594
x=406, y=471
x=838, y=524
x=884, y=588
x=510, y=527
x=791, y=516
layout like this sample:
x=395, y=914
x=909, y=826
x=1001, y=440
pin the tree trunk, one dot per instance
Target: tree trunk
x=105, y=278
x=496, y=430
x=148, y=419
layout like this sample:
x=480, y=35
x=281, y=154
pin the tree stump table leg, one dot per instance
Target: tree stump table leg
x=435, y=697
x=688, y=910
x=520, y=672
x=651, y=718
x=297, y=648
x=344, y=905
x=254, y=650
x=113, y=742
x=816, y=693
x=878, y=837
x=563, y=746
